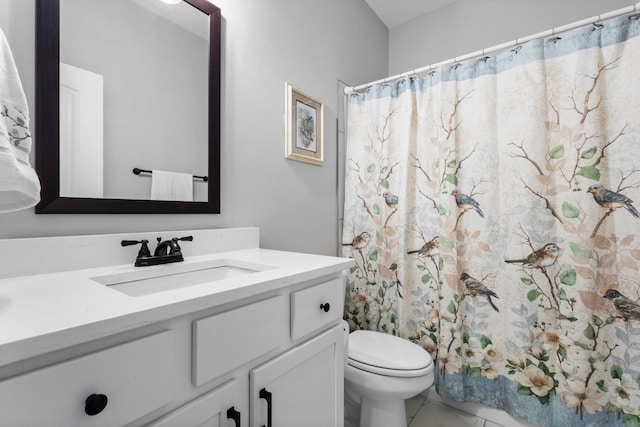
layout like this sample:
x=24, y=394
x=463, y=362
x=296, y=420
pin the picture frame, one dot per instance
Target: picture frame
x=304, y=121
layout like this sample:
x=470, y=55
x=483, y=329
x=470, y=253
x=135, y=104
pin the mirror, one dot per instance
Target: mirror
x=87, y=166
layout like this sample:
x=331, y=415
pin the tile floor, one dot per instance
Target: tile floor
x=422, y=412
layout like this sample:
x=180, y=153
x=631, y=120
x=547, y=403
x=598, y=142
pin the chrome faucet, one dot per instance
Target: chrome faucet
x=166, y=252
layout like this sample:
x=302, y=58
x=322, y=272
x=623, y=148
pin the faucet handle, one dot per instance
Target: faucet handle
x=175, y=247
x=132, y=242
x=144, y=249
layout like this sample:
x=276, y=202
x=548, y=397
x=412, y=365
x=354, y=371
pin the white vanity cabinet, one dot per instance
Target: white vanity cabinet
x=264, y=348
x=304, y=386
x=285, y=356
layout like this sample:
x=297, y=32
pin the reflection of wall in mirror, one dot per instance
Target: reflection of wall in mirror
x=155, y=90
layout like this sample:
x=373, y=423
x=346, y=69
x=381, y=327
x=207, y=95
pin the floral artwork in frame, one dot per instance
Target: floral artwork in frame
x=304, y=123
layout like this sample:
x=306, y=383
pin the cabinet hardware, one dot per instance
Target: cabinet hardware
x=95, y=404
x=234, y=415
x=264, y=394
x=326, y=307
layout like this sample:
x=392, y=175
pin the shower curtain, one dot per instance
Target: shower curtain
x=489, y=210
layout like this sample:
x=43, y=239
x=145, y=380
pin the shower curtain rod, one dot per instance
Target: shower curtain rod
x=595, y=20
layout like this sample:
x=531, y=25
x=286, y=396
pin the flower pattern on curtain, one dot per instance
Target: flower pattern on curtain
x=489, y=210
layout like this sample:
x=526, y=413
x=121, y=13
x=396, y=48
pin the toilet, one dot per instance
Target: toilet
x=382, y=371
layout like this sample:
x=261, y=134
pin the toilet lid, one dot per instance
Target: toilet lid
x=386, y=354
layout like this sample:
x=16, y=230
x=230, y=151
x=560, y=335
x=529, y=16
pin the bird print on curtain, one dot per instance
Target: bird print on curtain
x=496, y=198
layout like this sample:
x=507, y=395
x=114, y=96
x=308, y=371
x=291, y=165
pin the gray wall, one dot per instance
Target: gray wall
x=311, y=44
x=470, y=25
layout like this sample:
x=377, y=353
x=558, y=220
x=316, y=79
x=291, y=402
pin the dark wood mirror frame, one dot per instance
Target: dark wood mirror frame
x=48, y=125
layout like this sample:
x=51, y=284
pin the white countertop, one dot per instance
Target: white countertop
x=48, y=312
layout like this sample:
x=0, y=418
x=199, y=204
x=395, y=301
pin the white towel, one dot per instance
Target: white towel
x=19, y=183
x=171, y=186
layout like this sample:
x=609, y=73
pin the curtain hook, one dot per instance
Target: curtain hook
x=598, y=25
x=484, y=57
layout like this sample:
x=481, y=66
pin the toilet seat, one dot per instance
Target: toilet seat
x=388, y=355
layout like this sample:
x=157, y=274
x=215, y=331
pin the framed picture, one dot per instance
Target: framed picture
x=304, y=124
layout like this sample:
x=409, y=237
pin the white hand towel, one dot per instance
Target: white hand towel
x=19, y=183
x=171, y=186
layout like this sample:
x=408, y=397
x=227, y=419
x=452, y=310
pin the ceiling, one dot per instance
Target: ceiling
x=397, y=12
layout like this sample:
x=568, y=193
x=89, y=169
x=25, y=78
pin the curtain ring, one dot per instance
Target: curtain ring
x=554, y=40
x=516, y=49
x=598, y=24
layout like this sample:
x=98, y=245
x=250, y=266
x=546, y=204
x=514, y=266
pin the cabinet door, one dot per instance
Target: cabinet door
x=222, y=407
x=302, y=387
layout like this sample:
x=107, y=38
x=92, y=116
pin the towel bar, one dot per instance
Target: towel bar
x=137, y=171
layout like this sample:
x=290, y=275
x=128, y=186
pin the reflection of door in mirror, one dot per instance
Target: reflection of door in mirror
x=81, y=157
x=154, y=60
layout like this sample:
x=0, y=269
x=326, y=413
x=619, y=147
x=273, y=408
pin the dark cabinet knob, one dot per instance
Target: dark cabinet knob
x=95, y=404
x=326, y=307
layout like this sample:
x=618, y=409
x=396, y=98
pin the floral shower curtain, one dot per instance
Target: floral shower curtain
x=489, y=210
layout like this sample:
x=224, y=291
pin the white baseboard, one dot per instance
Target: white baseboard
x=488, y=413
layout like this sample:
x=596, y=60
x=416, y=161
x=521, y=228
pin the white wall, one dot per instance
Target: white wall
x=470, y=25
x=308, y=43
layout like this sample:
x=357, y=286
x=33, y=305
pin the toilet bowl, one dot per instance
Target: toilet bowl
x=381, y=372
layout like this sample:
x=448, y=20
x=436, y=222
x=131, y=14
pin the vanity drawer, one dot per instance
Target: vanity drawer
x=135, y=378
x=314, y=307
x=228, y=340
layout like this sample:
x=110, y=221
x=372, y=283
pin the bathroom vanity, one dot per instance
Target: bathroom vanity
x=233, y=336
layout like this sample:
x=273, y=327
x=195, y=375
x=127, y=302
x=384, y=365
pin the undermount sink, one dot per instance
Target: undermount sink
x=174, y=276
